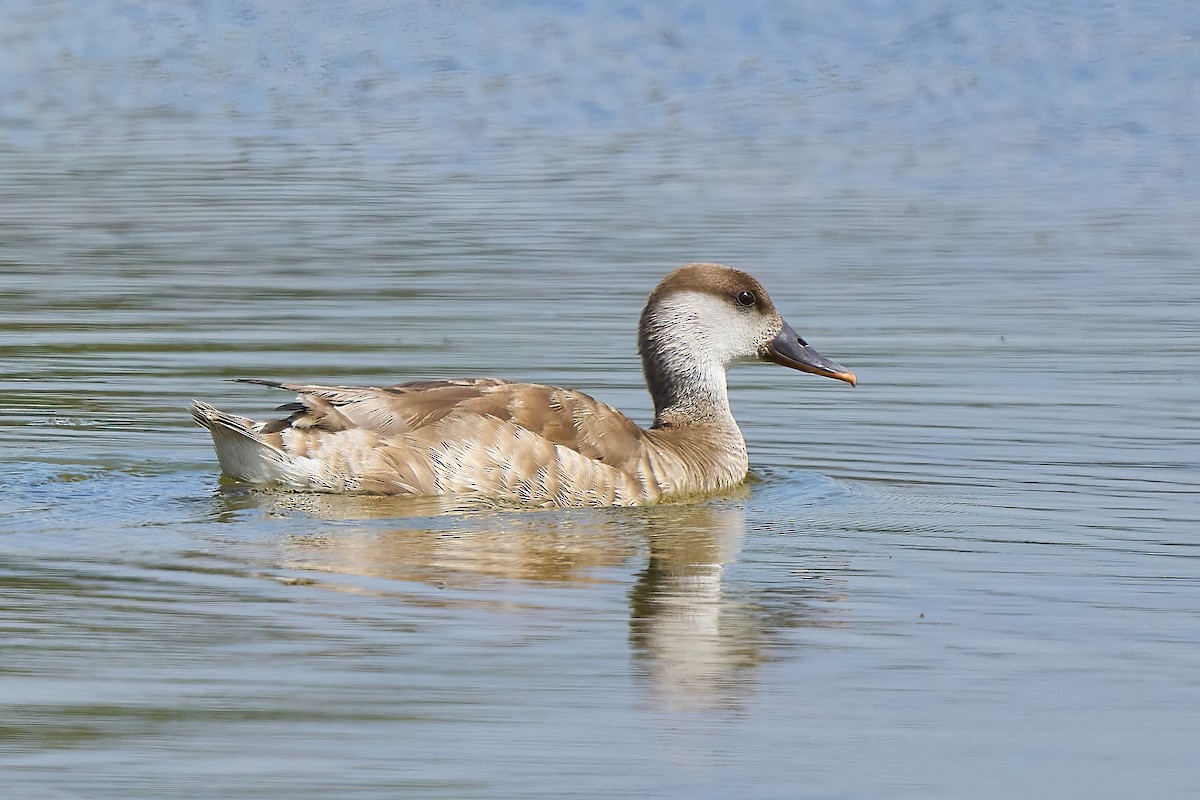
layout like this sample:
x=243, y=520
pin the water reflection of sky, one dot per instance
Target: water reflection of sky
x=1021, y=99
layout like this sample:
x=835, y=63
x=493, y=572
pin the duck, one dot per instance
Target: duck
x=530, y=444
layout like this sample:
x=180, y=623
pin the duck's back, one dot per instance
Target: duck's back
x=523, y=442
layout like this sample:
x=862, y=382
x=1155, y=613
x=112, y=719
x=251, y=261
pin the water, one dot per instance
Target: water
x=974, y=575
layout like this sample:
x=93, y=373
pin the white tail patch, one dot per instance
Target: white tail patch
x=242, y=453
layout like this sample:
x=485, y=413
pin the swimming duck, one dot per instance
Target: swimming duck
x=537, y=445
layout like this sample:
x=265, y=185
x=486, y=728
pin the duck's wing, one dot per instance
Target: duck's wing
x=562, y=417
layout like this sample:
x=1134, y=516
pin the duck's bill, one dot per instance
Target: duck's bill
x=789, y=350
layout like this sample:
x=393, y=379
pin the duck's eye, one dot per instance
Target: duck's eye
x=745, y=299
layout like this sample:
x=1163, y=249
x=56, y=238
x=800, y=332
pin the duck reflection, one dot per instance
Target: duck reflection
x=464, y=555
x=694, y=641
x=691, y=641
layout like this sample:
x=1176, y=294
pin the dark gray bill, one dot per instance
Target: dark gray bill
x=790, y=350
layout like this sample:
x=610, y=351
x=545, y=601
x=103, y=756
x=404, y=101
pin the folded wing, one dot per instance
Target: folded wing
x=479, y=435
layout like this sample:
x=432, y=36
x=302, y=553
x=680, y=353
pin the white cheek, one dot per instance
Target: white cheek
x=747, y=334
x=712, y=327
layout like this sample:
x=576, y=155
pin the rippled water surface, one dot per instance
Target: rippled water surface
x=975, y=575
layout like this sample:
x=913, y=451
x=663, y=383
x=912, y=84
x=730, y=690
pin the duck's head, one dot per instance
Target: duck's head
x=703, y=317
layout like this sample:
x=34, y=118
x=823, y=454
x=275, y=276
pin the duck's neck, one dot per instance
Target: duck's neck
x=685, y=378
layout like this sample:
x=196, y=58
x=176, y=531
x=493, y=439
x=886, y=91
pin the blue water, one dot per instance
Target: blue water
x=974, y=575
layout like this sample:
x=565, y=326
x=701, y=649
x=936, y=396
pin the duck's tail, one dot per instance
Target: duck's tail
x=243, y=452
